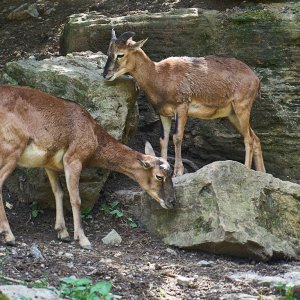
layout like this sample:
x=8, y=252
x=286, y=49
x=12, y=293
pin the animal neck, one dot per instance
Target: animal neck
x=144, y=71
x=113, y=155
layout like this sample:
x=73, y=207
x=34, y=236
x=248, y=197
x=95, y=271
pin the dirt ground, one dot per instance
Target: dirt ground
x=141, y=267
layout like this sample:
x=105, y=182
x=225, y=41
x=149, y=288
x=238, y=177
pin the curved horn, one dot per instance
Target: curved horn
x=126, y=36
x=113, y=35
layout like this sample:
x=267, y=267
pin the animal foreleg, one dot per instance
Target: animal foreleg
x=5, y=171
x=60, y=225
x=73, y=169
x=164, y=135
x=180, y=121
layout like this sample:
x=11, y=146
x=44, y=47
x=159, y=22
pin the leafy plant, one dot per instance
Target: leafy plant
x=86, y=213
x=162, y=293
x=35, y=211
x=83, y=289
x=41, y=283
x=285, y=290
x=112, y=209
x=131, y=223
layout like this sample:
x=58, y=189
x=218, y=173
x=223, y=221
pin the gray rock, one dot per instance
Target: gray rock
x=185, y=281
x=36, y=253
x=22, y=292
x=258, y=36
x=171, y=251
x=289, y=279
x=69, y=255
x=225, y=208
x=76, y=77
x=239, y=296
x=23, y=12
x=112, y=238
x=205, y=263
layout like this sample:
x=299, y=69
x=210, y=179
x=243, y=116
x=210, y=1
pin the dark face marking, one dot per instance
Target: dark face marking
x=166, y=192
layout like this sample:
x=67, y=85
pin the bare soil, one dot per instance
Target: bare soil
x=142, y=267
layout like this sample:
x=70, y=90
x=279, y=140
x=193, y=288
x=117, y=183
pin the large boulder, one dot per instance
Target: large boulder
x=8, y=292
x=265, y=36
x=225, y=208
x=76, y=77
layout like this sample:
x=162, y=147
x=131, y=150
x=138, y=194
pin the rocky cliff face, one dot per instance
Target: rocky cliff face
x=266, y=37
x=76, y=77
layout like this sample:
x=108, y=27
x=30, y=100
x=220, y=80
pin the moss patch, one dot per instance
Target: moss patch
x=253, y=16
x=202, y=226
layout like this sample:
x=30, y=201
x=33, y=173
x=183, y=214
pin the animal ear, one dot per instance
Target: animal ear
x=113, y=35
x=139, y=44
x=124, y=37
x=145, y=164
x=149, y=149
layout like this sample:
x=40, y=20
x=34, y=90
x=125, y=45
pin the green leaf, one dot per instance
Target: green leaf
x=69, y=280
x=83, y=281
x=114, y=204
x=133, y=225
x=102, y=287
x=117, y=213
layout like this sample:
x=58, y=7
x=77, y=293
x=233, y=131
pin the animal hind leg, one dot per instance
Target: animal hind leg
x=60, y=225
x=241, y=123
x=257, y=153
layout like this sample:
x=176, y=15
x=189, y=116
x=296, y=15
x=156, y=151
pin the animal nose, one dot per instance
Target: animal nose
x=173, y=201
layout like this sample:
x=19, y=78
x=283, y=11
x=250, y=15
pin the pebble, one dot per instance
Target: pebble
x=36, y=253
x=185, y=281
x=112, y=238
x=205, y=263
x=171, y=251
x=69, y=255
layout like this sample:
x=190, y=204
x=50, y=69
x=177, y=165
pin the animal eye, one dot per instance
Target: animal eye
x=159, y=178
x=119, y=56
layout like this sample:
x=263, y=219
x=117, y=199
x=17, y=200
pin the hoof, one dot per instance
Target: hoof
x=65, y=239
x=11, y=243
x=87, y=247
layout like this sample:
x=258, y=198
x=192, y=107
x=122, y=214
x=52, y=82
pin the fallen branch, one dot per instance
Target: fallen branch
x=12, y=280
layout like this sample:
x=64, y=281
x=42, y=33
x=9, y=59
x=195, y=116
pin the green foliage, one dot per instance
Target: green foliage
x=41, y=283
x=83, y=289
x=112, y=209
x=250, y=16
x=23, y=298
x=3, y=297
x=86, y=213
x=131, y=223
x=162, y=293
x=35, y=211
x=285, y=290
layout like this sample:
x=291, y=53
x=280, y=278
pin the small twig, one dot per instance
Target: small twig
x=12, y=280
x=28, y=219
x=168, y=274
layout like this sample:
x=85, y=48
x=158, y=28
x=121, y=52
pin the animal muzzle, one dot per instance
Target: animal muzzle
x=108, y=70
x=170, y=202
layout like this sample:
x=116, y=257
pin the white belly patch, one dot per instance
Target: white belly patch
x=35, y=157
x=200, y=111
